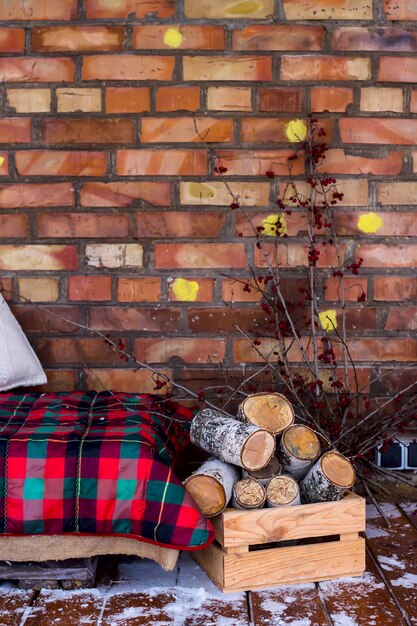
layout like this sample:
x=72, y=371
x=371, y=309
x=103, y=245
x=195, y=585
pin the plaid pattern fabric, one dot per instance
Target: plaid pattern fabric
x=96, y=463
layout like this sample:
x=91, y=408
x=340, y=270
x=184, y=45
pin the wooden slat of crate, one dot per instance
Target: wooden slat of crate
x=238, y=528
x=283, y=566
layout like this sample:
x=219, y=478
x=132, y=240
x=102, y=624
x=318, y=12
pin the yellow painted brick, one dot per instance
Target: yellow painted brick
x=382, y=99
x=229, y=9
x=29, y=100
x=216, y=193
x=86, y=99
x=229, y=98
x=38, y=289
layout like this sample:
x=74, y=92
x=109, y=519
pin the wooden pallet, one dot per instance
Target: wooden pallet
x=327, y=533
x=68, y=574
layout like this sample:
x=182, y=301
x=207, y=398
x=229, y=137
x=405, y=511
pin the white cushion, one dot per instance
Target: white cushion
x=19, y=365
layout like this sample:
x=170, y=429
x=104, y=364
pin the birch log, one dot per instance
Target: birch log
x=282, y=491
x=248, y=494
x=264, y=475
x=271, y=411
x=298, y=450
x=211, y=485
x=232, y=441
x=328, y=479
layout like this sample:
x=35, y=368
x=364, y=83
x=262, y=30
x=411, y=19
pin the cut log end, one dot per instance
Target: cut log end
x=249, y=494
x=282, y=491
x=338, y=469
x=301, y=442
x=257, y=450
x=271, y=411
x=266, y=473
x=207, y=493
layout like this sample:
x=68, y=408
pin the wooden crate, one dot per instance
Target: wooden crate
x=236, y=561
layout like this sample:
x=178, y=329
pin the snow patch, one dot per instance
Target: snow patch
x=341, y=619
x=409, y=581
x=372, y=532
x=390, y=563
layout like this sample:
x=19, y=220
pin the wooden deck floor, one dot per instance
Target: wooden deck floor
x=133, y=592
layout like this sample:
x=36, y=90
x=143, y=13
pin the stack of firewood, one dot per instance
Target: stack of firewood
x=263, y=458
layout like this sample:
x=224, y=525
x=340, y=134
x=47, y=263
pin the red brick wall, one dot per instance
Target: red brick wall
x=107, y=199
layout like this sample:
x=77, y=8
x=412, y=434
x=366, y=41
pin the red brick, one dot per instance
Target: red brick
x=224, y=98
x=398, y=70
x=398, y=193
x=202, y=289
x=36, y=257
x=89, y=287
x=233, y=290
x=402, y=318
x=207, y=37
x=400, y=10
x=161, y=162
x=349, y=289
x=395, y=288
x=139, y=289
x=75, y=350
x=219, y=9
x=323, y=10
x=12, y=39
x=375, y=39
x=379, y=130
x=339, y=162
x=114, y=255
x=124, y=8
x=124, y=194
x=333, y=99
x=15, y=129
x=71, y=100
x=28, y=100
x=60, y=163
x=394, y=224
x=33, y=319
x=127, y=67
x=6, y=287
x=269, y=129
x=279, y=37
x=127, y=99
x=178, y=98
x=325, y=68
x=257, y=162
x=45, y=289
x=22, y=196
x=133, y=318
x=13, y=226
x=293, y=255
x=126, y=380
x=199, y=350
x=196, y=225
x=89, y=225
x=280, y=100
x=386, y=255
x=255, y=68
x=201, y=255
x=186, y=129
x=77, y=38
x=220, y=321
x=59, y=380
x=383, y=349
x=38, y=10
x=355, y=191
x=44, y=70
x=87, y=130
x=382, y=99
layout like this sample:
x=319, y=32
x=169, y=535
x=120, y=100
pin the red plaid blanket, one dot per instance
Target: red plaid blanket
x=96, y=463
